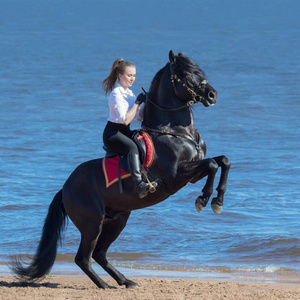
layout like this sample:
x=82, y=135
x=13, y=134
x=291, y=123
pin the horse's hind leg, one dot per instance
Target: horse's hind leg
x=90, y=232
x=111, y=229
x=225, y=164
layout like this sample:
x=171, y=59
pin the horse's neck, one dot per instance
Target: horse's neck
x=162, y=94
x=180, y=121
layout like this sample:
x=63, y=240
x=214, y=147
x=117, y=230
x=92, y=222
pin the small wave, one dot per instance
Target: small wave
x=18, y=207
x=113, y=256
x=67, y=257
x=130, y=256
x=216, y=269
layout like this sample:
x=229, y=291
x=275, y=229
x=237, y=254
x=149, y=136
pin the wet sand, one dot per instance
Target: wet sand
x=80, y=287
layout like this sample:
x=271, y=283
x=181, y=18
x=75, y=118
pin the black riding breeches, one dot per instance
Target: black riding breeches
x=117, y=137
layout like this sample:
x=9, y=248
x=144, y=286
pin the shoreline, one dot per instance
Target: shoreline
x=81, y=287
x=67, y=281
x=72, y=271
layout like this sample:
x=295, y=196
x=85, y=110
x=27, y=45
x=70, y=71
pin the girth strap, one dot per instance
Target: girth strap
x=178, y=134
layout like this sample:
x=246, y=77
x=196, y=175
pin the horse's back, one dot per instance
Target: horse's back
x=82, y=185
x=83, y=173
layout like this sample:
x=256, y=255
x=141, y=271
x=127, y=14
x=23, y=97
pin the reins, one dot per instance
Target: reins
x=188, y=104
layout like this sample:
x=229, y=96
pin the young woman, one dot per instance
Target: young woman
x=123, y=108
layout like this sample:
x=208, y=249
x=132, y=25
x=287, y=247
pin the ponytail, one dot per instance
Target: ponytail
x=117, y=68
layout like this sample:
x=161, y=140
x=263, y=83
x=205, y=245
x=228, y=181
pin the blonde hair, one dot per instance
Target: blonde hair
x=117, y=68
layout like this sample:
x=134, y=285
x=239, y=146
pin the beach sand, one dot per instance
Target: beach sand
x=79, y=287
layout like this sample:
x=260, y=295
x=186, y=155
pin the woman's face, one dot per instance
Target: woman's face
x=128, y=77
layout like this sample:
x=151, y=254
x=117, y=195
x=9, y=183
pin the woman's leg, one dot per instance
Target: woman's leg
x=123, y=144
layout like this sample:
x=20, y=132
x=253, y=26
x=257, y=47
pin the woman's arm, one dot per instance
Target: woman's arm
x=131, y=114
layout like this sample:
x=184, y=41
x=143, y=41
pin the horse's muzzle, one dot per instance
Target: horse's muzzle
x=212, y=96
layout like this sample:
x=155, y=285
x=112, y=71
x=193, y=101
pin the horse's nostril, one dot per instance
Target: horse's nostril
x=211, y=95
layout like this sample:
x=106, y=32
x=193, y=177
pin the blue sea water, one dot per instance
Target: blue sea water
x=54, y=55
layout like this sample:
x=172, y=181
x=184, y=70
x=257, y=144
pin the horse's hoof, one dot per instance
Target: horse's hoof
x=131, y=284
x=198, y=205
x=201, y=202
x=216, y=208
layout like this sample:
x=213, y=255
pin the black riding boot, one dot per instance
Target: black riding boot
x=135, y=171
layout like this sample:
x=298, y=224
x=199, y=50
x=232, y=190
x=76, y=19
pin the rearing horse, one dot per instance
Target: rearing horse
x=101, y=213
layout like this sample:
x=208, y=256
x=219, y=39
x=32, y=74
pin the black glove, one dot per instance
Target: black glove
x=141, y=98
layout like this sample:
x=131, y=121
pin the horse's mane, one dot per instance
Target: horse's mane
x=185, y=68
x=188, y=71
x=156, y=80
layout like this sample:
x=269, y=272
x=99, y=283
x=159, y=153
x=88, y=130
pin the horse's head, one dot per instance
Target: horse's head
x=174, y=88
x=189, y=81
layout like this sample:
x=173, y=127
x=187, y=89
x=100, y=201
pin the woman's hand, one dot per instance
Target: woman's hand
x=141, y=98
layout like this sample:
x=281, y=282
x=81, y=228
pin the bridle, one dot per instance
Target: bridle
x=188, y=104
x=194, y=94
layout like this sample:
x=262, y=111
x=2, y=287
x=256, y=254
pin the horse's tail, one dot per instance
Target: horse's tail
x=46, y=252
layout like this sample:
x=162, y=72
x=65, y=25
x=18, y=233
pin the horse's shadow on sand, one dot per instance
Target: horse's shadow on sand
x=22, y=284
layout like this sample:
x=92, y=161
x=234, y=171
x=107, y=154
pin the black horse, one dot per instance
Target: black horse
x=101, y=213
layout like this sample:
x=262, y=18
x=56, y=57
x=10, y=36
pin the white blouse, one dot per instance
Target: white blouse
x=120, y=102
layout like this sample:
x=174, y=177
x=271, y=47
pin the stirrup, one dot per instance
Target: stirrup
x=152, y=187
x=143, y=189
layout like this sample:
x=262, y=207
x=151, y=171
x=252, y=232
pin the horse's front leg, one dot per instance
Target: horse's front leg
x=225, y=164
x=208, y=167
x=197, y=170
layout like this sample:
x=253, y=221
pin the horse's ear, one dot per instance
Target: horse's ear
x=180, y=53
x=172, y=57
